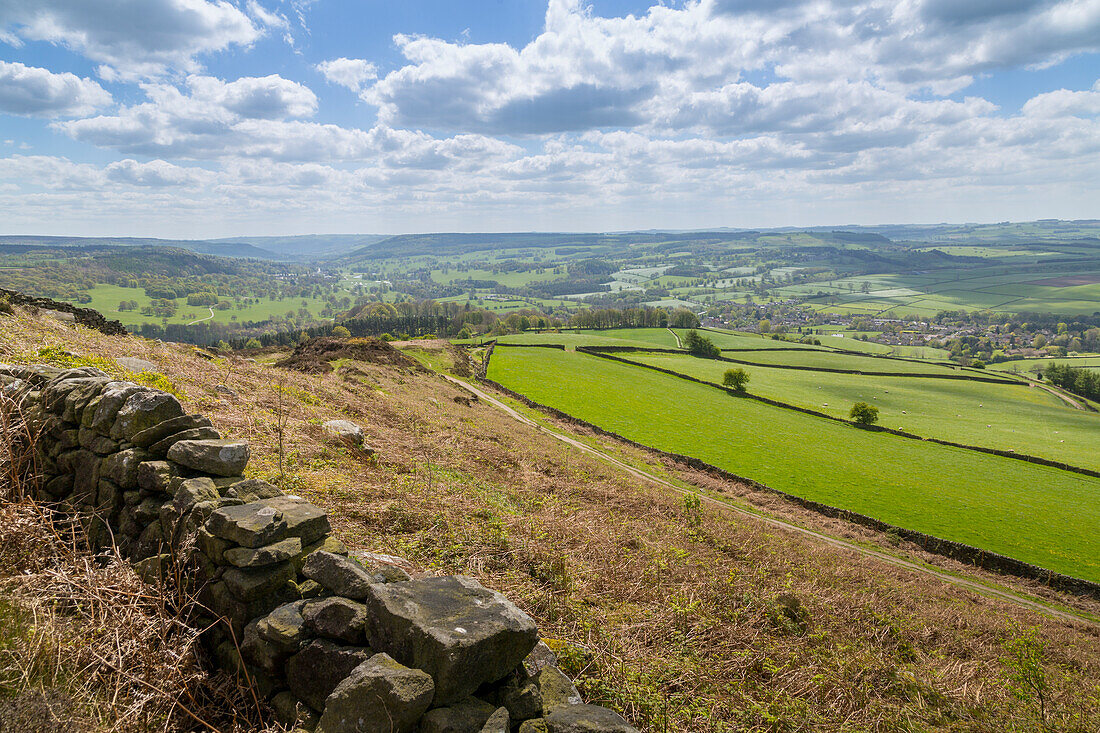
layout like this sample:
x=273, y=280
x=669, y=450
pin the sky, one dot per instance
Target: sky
x=209, y=118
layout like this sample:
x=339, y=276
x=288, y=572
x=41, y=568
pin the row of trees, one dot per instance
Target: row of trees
x=1083, y=382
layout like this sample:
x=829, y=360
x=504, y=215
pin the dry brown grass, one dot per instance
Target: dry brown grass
x=681, y=616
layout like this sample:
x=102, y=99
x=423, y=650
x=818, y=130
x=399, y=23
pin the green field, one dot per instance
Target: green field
x=1014, y=287
x=507, y=279
x=613, y=337
x=1041, y=515
x=1029, y=366
x=105, y=299
x=833, y=360
x=1007, y=417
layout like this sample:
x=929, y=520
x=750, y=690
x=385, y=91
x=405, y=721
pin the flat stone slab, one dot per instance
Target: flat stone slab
x=248, y=525
x=305, y=521
x=147, y=437
x=247, y=557
x=161, y=447
x=379, y=696
x=224, y=457
x=453, y=628
x=587, y=719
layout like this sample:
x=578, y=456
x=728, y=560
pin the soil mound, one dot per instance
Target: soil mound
x=314, y=356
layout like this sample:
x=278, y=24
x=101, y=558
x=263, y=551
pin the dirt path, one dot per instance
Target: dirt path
x=1014, y=598
x=1068, y=400
x=192, y=323
x=679, y=344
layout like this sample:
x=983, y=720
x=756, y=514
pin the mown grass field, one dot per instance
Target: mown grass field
x=1041, y=515
x=833, y=360
x=1030, y=366
x=1007, y=417
x=660, y=337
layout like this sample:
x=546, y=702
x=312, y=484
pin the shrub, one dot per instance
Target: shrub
x=736, y=378
x=700, y=345
x=863, y=414
x=161, y=382
x=341, y=332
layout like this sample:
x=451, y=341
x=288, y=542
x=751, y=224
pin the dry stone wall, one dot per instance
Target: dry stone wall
x=337, y=642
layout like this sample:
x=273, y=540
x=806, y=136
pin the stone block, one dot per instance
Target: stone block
x=305, y=521
x=250, y=584
x=218, y=457
x=336, y=618
x=314, y=672
x=284, y=627
x=159, y=432
x=557, y=690
x=211, y=546
x=290, y=712
x=161, y=447
x=193, y=491
x=246, y=557
x=155, y=477
x=587, y=719
x=248, y=525
x=498, y=722
x=378, y=696
x=112, y=399
x=470, y=714
x=252, y=490
x=384, y=568
x=141, y=411
x=122, y=467
x=461, y=633
x=342, y=576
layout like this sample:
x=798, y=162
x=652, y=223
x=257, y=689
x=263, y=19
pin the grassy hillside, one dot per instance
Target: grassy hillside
x=1040, y=515
x=684, y=617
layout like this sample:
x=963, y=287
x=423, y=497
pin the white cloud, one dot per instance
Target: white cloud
x=350, y=73
x=33, y=91
x=1063, y=102
x=155, y=174
x=132, y=38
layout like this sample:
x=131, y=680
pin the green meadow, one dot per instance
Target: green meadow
x=106, y=298
x=1042, y=515
x=1004, y=416
x=660, y=337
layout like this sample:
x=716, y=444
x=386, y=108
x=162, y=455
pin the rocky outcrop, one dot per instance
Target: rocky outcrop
x=336, y=643
x=84, y=316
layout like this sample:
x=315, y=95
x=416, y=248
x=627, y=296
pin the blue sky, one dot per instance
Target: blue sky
x=203, y=118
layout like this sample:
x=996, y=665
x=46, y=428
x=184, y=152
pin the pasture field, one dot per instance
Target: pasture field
x=1029, y=366
x=1007, y=417
x=611, y=337
x=834, y=360
x=106, y=298
x=507, y=279
x=1009, y=288
x=1034, y=513
x=744, y=340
